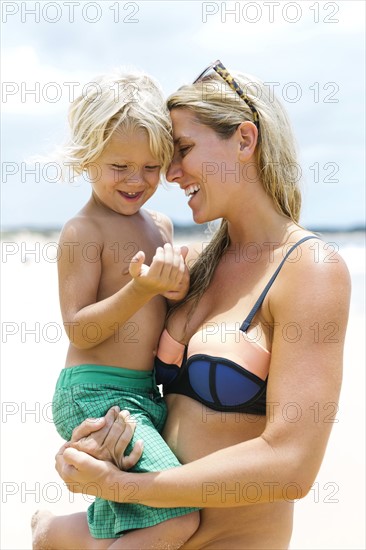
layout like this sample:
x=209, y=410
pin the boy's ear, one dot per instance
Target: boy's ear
x=247, y=136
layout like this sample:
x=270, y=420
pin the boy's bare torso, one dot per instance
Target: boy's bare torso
x=112, y=241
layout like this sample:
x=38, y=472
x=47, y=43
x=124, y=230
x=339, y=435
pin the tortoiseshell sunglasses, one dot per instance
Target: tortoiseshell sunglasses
x=222, y=71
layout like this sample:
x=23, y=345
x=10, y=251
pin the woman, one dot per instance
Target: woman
x=251, y=361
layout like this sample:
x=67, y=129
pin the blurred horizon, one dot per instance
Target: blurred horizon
x=179, y=229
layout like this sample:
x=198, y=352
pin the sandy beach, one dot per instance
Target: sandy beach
x=33, y=351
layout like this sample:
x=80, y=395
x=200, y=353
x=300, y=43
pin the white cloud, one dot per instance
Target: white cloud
x=32, y=87
x=255, y=27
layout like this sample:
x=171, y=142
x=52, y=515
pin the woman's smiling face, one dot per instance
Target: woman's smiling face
x=204, y=165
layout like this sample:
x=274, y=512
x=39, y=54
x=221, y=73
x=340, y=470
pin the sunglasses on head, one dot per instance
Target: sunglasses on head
x=222, y=71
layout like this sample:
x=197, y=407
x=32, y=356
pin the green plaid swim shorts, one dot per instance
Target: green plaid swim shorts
x=88, y=391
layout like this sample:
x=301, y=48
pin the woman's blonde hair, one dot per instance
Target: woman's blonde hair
x=126, y=100
x=214, y=104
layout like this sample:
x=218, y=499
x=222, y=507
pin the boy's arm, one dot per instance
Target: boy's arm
x=79, y=279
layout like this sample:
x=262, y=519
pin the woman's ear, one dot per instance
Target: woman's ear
x=247, y=136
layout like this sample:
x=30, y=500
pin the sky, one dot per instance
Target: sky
x=312, y=54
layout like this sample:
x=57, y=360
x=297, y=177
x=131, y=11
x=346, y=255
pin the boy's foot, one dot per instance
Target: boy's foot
x=40, y=523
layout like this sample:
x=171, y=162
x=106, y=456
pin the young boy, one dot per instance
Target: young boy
x=113, y=305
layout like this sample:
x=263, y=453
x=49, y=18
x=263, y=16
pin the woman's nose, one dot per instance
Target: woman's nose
x=174, y=172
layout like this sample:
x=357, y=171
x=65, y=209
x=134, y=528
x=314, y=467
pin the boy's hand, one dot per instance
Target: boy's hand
x=167, y=273
x=178, y=294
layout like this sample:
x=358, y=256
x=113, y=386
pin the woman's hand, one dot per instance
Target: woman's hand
x=84, y=474
x=107, y=438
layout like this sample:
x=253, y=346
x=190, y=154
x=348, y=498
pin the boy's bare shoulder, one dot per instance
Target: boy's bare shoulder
x=81, y=228
x=163, y=223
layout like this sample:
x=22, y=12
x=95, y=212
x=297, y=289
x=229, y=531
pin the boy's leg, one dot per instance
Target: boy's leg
x=168, y=535
x=105, y=518
x=70, y=532
x=175, y=526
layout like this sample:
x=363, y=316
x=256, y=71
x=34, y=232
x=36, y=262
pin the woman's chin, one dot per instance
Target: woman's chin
x=200, y=217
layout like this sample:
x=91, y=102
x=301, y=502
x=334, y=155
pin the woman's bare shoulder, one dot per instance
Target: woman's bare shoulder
x=316, y=259
x=316, y=276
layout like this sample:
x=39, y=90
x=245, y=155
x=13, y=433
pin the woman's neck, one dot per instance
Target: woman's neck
x=261, y=226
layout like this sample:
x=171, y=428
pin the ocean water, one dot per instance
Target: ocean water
x=27, y=247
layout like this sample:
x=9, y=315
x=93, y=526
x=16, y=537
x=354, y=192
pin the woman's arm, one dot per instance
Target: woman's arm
x=310, y=312
x=223, y=478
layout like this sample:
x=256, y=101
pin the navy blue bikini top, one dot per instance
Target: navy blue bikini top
x=233, y=376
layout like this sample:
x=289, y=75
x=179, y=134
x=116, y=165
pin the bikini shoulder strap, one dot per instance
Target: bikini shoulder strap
x=246, y=323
